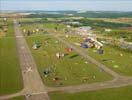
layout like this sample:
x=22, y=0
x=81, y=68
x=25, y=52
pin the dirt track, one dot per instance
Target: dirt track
x=33, y=84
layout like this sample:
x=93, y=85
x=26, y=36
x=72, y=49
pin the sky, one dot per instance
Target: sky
x=53, y=5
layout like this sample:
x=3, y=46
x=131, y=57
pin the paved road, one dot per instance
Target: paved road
x=116, y=83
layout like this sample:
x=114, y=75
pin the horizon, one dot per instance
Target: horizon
x=66, y=5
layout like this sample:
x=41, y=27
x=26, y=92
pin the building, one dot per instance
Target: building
x=108, y=30
x=73, y=23
x=85, y=30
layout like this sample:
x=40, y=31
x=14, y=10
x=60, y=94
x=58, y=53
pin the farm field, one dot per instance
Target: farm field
x=123, y=93
x=118, y=20
x=112, y=56
x=10, y=77
x=71, y=69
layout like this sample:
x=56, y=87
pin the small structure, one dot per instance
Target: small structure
x=5, y=29
x=58, y=55
x=78, y=44
x=28, y=33
x=85, y=30
x=107, y=30
x=121, y=54
x=98, y=44
x=87, y=40
x=116, y=66
x=56, y=78
x=47, y=72
x=95, y=42
x=67, y=36
x=100, y=51
x=29, y=69
x=4, y=19
x=69, y=50
x=33, y=31
x=92, y=42
x=24, y=30
x=84, y=45
x=36, y=45
x=73, y=23
x=68, y=26
x=37, y=30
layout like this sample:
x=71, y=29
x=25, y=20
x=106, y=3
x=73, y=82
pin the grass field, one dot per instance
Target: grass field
x=18, y=98
x=46, y=27
x=123, y=93
x=70, y=69
x=10, y=78
x=113, y=55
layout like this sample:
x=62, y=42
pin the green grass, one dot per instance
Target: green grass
x=18, y=98
x=10, y=77
x=123, y=93
x=70, y=70
x=10, y=31
x=45, y=26
x=112, y=54
x=29, y=19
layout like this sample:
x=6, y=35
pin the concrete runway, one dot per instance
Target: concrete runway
x=31, y=79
